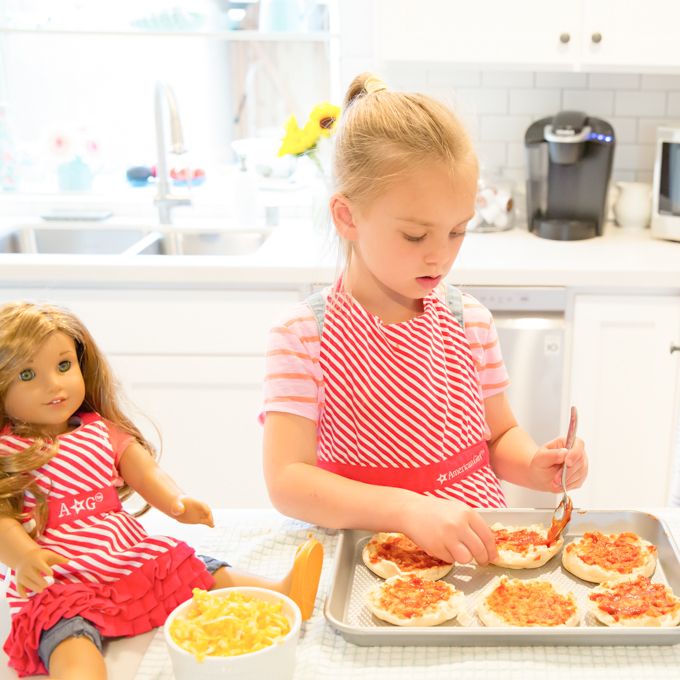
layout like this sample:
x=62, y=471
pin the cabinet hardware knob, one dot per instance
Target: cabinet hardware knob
x=596, y=37
x=565, y=38
x=674, y=347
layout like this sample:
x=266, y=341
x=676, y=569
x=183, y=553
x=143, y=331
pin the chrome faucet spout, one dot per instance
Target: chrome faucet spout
x=164, y=199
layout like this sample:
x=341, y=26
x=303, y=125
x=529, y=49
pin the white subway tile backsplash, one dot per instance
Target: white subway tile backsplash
x=351, y=67
x=623, y=175
x=533, y=102
x=613, y=81
x=504, y=128
x=515, y=155
x=634, y=157
x=644, y=176
x=356, y=37
x=674, y=104
x=447, y=77
x=625, y=129
x=640, y=104
x=660, y=81
x=647, y=128
x=598, y=103
x=484, y=100
x=507, y=79
x=491, y=155
x=570, y=80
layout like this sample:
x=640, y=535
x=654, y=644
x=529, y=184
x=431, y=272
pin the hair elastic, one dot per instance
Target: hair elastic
x=374, y=84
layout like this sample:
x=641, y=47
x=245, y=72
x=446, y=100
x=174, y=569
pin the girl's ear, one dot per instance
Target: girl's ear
x=342, y=212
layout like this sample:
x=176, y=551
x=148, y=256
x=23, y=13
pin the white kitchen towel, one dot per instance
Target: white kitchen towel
x=264, y=542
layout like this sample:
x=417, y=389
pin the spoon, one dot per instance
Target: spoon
x=562, y=513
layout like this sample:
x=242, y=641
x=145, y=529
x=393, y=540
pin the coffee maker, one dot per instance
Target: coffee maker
x=569, y=163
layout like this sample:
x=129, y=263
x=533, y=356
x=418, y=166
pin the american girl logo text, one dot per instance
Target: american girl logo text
x=71, y=508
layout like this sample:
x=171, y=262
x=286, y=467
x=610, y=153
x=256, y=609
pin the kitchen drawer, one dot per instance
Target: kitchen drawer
x=178, y=322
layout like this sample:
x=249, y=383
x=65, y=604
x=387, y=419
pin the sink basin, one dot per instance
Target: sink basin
x=207, y=243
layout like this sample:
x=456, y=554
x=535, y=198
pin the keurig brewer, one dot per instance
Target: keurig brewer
x=569, y=163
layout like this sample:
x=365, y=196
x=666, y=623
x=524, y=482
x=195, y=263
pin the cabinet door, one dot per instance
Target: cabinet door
x=632, y=34
x=623, y=383
x=206, y=409
x=493, y=32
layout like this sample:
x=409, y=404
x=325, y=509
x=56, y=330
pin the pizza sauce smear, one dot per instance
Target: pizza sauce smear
x=530, y=604
x=404, y=553
x=413, y=596
x=632, y=599
x=519, y=541
x=616, y=552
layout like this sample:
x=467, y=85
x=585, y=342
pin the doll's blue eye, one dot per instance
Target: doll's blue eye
x=26, y=375
x=64, y=366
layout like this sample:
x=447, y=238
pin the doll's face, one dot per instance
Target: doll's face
x=48, y=389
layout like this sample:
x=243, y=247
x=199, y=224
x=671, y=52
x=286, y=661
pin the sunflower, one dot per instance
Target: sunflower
x=297, y=141
x=325, y=115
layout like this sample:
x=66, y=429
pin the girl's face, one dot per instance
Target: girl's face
x=407, y=239
x=49, y=388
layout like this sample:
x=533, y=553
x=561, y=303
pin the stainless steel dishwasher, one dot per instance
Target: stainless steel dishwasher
x=530, y=324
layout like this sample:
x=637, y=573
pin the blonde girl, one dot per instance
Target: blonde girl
x=81, y=567
x=384, y=405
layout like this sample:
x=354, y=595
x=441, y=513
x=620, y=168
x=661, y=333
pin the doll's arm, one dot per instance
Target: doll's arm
x=30, y=562
x=141, y=472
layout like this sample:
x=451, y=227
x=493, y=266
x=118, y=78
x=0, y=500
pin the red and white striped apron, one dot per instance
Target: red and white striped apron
x=402, y=403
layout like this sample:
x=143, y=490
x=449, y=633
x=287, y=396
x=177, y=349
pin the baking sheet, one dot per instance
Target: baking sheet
x=345, y=609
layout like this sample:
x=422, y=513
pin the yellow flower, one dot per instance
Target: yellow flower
x=325, y=116
x=297, y=140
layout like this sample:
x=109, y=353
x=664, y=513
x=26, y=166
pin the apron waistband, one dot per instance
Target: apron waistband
x=72, y=507
x=419, y=479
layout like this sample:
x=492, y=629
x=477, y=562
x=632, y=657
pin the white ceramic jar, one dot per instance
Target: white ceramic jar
x=633, y=206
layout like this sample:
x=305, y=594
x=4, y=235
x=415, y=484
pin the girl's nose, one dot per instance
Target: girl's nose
x=438, y=253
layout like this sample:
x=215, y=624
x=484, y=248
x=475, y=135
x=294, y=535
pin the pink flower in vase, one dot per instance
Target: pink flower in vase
x=59, y=144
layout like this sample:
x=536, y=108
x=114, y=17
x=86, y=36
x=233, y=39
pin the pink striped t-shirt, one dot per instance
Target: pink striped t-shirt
x=294, y=380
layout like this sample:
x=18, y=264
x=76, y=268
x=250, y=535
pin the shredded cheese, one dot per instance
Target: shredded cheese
x=229, y=626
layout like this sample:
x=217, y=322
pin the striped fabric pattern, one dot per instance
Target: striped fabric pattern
x=294, y=381
x=429, y=404
x=101, y=548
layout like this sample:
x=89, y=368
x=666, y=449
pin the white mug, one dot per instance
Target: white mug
x=633, y=206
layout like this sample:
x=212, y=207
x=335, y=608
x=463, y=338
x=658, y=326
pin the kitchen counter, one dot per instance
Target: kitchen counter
x=294, y=254
x=264, y=541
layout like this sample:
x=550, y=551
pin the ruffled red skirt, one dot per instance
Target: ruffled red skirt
x=132, y=605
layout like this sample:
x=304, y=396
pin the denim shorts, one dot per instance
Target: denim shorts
x=77, y=626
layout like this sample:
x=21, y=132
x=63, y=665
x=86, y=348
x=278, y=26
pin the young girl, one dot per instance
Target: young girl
x=384, y=406
x=82, y=567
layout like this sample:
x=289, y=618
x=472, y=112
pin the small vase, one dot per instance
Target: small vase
x=321, y=188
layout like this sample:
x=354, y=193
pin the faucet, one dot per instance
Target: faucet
x=164, y=200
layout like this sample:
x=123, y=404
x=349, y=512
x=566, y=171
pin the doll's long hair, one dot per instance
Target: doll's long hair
x=24, y=327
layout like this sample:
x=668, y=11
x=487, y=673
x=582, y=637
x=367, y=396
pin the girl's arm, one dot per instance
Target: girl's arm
x=517, y=459
x=141, y=472
x=445, y=529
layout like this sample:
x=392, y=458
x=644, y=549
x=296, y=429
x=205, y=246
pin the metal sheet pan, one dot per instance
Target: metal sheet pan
x=345, y=609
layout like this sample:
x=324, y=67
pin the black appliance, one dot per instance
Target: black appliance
x=569, y=163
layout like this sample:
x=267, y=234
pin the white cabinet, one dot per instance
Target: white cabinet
x=193, y=362
x=585, y=34
x=623, y=382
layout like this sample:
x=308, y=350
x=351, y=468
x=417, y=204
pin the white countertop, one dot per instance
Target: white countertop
x=263, y=541
x=295, y=254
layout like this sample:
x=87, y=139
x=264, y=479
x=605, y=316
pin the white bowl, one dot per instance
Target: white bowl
x=274, y=663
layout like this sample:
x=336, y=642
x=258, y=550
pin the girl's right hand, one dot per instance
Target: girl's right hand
x=449, y=530
x=35, y=564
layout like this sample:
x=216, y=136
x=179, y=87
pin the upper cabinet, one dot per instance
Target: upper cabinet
x=597, y=35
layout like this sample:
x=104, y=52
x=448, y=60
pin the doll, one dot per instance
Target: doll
x=82, y=568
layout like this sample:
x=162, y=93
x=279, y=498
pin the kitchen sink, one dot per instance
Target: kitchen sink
x=68, y=239
x=184, y=242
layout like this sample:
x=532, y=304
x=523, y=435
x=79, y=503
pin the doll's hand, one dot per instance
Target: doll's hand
x=188, y=510
x=449, y=530
x=29, y=572
x=546, y=465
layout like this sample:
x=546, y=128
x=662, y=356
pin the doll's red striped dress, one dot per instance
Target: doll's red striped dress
x=117, y=577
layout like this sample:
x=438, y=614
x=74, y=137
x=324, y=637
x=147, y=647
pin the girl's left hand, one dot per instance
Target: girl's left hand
x=188, y=510
x=546, y=465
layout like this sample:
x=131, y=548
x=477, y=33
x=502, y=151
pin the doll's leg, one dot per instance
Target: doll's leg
x=300, y=583
x=77, y=658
